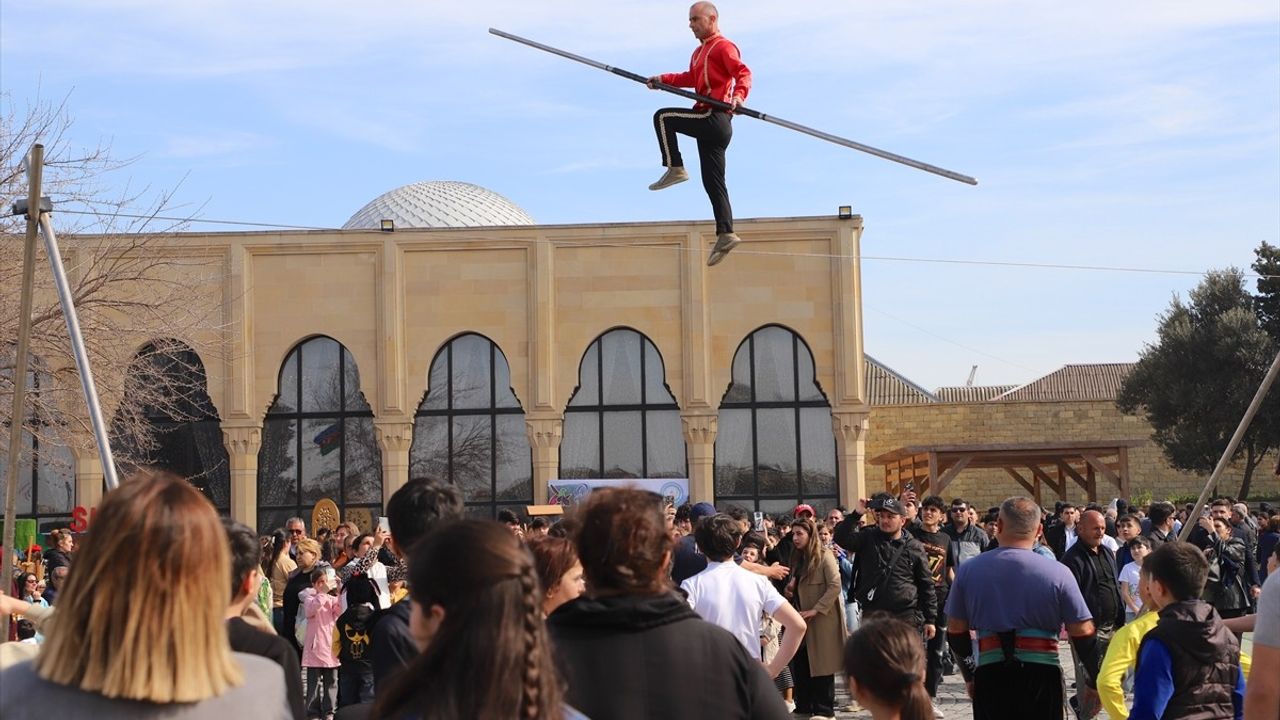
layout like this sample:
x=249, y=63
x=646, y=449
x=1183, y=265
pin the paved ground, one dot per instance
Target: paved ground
x=953, y=701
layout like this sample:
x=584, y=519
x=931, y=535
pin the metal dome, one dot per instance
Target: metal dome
x=439, y=204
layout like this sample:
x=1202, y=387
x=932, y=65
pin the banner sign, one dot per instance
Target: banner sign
x=572, y=492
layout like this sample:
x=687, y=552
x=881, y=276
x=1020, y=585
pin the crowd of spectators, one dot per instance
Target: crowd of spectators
x=631, y=607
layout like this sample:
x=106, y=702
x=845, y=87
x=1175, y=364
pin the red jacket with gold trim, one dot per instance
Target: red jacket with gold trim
x=715, y=70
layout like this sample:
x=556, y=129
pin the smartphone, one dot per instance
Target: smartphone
x=757, y=521
x=383, y=524
x=911, y=486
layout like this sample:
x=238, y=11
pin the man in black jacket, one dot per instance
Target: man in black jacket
x=968, y=541
x=1093, y=565
x=1160, y=522
x=1221, y=510
x=257, y=640
x=1062, y=535
x=412, y=511
x=893, y=571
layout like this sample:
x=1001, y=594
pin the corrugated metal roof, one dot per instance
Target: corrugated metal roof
x=886, y=386
x=1097, y=381
x=970, y=393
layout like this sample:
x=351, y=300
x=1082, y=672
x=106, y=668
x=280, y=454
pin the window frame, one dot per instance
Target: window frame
x=796, y=406
x=298, y=415
x=449, y=412
x=208, y=413
x=45, y=521
x=644, y=407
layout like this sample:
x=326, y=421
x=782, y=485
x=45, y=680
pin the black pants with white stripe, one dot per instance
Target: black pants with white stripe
x=713, y=130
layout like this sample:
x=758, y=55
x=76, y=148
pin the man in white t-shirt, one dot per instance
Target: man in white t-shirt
x=736, y=599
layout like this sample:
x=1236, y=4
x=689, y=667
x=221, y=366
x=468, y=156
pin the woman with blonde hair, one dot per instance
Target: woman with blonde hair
x=114, y=652
x=814, y=590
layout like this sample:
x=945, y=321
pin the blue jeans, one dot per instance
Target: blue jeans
x=355, y=686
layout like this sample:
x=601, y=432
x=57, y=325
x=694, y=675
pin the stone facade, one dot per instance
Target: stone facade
x=1016, y=422
x=542, y=294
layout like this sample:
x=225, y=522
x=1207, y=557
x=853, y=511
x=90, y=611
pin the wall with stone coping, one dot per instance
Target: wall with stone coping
x=1010, y=422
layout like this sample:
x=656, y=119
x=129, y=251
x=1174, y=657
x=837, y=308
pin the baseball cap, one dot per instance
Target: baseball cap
x=804, y=508
x=701, y=510
x=889, y=504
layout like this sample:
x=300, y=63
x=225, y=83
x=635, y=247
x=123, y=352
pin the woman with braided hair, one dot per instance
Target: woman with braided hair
x=884, y=661
x=477, y=617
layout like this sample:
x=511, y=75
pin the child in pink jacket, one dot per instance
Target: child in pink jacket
x=322, y=609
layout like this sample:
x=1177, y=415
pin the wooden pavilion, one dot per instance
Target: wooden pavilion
x=931, y=468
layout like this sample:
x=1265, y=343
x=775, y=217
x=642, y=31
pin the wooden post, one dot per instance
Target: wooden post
x=35, y=173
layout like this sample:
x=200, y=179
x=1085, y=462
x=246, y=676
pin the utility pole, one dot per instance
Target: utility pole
x=35, y=174
x=37, y=210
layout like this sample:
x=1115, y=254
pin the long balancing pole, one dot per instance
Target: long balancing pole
x=740, y=110
x=35, y=176
x=1231, y=446
x=77, y=348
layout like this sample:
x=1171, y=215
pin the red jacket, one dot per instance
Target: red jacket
x=715, y=70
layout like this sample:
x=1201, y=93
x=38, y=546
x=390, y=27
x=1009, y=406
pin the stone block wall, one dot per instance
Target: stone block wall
x=1011, y=422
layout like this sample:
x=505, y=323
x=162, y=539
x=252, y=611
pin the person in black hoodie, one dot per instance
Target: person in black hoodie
x=355, y=674
x=676, y=665
x=417, y=507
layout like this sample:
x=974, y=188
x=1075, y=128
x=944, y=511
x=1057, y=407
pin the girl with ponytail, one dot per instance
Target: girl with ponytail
x=477, y=617
x=884, y=661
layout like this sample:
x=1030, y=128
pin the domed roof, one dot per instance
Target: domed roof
x=439, y=204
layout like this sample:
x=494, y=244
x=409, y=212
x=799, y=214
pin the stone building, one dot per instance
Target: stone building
x=1072, y=404
x=442, y=332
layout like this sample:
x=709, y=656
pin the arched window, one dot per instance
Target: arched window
x=622, y=421
x=167, y=419
x=775, y=446
x=318, y=440
x=46, y=468
x=470, y=428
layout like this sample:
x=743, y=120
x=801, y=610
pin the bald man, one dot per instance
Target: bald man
x=716, y=70
x=1093, y=564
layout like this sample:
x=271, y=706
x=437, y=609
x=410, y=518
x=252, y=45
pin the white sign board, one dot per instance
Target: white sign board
x=572, y=492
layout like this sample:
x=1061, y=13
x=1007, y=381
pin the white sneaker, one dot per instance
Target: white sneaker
x=673, y=176
x=937, y=712
x=791, y=706
x=724, y=243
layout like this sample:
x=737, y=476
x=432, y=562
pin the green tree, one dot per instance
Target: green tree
x=1267, y=265
x=1194, y=384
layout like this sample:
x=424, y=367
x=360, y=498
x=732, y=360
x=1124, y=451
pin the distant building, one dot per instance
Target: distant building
x=458, y=339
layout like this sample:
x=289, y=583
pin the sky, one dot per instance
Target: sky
x=1143, y=134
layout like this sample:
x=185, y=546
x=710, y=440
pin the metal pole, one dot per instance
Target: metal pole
x=1231, y=446
x=35, y=176
x=740, y=110
x=77, y=348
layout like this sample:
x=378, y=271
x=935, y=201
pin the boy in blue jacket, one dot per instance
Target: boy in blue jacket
x=1189, y=663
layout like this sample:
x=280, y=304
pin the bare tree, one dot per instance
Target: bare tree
x=131, y=283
